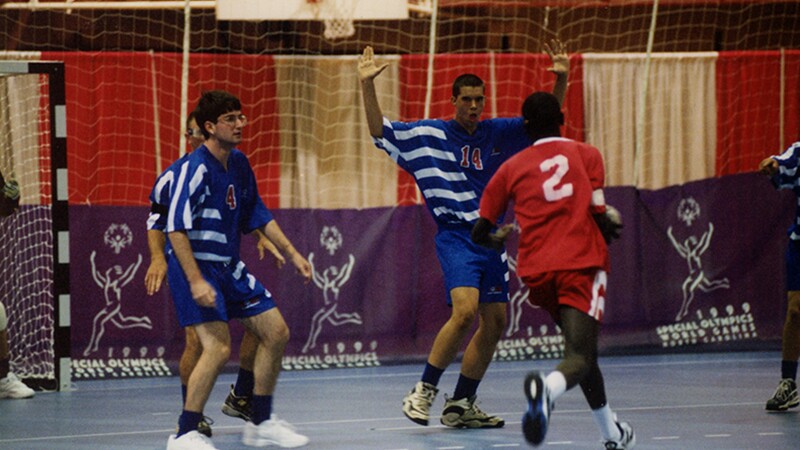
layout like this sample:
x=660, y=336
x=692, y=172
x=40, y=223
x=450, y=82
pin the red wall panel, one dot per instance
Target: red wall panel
x=110, y=116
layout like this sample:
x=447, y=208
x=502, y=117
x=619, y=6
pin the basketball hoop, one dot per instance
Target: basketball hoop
x=338, y=17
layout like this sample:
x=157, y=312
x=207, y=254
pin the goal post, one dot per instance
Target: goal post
x=34, y=260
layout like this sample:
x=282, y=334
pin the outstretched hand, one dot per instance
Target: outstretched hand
x=302, y=266
x=367, y=69
x=155, y=275
x=557, y=52
x=264, y=246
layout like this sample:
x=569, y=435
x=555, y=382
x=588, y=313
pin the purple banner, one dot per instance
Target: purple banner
x=117, y=330
x=699, y=266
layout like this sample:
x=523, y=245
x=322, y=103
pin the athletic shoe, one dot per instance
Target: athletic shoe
x=785, y=396
x=272, y=432
x=204, y=427
x=537, y=417
x=235, y=406
x=464, y=413
x=417, y=403
x=190, y=441
x=626, y=442
x=11, y=387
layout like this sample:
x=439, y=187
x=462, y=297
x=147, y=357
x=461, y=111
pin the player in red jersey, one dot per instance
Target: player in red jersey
x=556, y=185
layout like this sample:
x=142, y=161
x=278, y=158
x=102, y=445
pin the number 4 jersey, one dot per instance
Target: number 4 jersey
x=215, y=205
x=552, y=184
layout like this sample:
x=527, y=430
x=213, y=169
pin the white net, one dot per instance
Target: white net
x=337, y=16
x=26, y=258
x=717, y=94
x=308, y=138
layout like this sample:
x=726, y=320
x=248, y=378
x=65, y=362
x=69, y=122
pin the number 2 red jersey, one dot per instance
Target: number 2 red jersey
x=551, y=184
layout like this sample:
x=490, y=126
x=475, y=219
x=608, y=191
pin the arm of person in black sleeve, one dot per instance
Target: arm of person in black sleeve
x=483, y=236
x=610, y=223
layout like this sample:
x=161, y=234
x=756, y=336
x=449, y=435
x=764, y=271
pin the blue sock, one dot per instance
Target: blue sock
x=188, y=422
x=465, y=388
x=432, y=374
x=789, y=369
x=244, y=383
x=262, y=408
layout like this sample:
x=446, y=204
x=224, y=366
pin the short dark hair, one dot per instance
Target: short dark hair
x=542, y=114
x=213, y=104
x=467, y=79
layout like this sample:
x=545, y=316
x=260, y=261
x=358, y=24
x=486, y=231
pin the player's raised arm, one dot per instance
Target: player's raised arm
x=558, y=56
x=367, y=71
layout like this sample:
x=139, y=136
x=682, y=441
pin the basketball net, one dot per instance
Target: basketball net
x=337, y=15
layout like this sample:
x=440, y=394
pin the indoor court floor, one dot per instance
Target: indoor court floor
x=694, y=401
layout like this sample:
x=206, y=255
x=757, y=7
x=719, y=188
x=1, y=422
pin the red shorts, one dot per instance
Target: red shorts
x=584, y=290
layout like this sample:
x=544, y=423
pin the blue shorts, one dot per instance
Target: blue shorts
x=239, y=294
x=466, y=264
x=793, y=266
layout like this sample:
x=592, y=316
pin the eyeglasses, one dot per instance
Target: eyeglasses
x=231, y=119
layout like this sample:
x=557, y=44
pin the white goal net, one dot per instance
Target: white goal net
x=29, y=264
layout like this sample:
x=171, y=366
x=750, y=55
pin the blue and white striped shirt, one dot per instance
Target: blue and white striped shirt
x=215, y=206
x=452, y=167
x=160, y=196
x=787, y=178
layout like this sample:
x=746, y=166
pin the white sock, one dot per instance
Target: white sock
x=557, y=384
x=607, y=421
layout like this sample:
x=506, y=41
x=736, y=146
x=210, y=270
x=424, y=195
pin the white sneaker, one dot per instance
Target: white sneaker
x=11, y=387
x=627, y=440
x=192, y=440
x=464, y=413
x=272, y=432
x=417, y=403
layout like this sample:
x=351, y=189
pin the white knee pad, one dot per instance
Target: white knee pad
x=3, y=318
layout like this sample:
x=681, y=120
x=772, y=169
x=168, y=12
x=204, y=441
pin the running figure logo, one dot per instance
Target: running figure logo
x=691, y=249
x=518, y=299
x=112, y=280
x=330, y=280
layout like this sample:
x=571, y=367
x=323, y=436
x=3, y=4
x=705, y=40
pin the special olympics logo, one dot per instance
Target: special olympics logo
x=118, y=236
x=331, y=239
x=688, y=210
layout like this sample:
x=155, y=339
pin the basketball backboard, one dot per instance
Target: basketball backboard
x=309, y=9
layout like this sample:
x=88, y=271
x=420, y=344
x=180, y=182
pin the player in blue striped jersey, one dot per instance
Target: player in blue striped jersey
x=213, y=201
x=783, y=171
x=237, y=404
x=452, y=161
